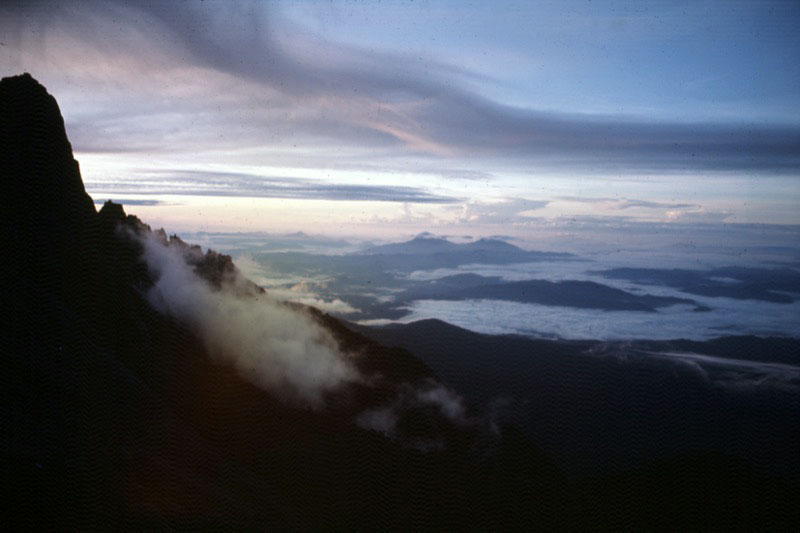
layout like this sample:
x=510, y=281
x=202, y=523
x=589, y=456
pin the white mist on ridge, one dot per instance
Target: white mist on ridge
x=274, y=346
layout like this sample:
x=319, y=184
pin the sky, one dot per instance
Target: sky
x=384, y=119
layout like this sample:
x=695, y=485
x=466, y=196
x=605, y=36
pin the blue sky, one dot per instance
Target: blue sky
x=670, y=60
x=388, y=118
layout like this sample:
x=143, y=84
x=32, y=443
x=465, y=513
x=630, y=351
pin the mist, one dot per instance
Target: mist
x=422, y=400
x=272, y=345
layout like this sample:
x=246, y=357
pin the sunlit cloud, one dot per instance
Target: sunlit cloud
x=699, y=215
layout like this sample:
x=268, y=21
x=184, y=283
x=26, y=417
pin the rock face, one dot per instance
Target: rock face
x=114, y=414
x=48, y=219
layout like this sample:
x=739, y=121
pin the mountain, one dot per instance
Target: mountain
x=131, y=400
x=120, y=411
x=422, y=244
x=492, y=245
x=442, y=253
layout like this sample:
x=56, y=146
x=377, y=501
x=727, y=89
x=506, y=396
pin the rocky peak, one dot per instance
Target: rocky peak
x=36, y=148
x=112, y=213
x=47, y=217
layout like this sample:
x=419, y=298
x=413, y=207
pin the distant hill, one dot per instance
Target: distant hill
x=422, y=244
x=778, y=285
x=494, y=245
x=427, y=244
x=427, y=252
x=568, y=293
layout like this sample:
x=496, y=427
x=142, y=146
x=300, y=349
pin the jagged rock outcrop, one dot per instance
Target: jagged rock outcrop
x=48, y=220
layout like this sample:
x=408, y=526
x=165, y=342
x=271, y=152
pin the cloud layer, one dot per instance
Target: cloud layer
x=204, y=183
x=220, y=75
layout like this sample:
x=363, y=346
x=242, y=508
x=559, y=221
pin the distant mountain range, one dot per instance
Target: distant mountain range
x=450, y=253
x=427, y=244
x=118, y=412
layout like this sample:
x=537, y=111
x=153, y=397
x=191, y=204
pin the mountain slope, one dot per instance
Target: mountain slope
x=116, y=413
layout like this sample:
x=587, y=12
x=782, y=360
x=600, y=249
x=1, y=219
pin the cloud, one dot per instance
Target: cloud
x=300, y=293
x=458, y=214
x=737, y=375
x=274, y=346
x=414, y=402
x=335, y=305
x=205, y=183
x=697, y=216
x=459, y=174
x=266, y=83
x=625, y=203
x=133, y=202
x=501, y=211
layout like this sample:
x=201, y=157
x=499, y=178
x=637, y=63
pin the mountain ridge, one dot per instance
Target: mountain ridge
x=426, y=243
x=122, y=415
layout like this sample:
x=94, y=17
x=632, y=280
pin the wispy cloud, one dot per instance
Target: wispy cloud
x=625, y=203
x=131, y=202
x=697, y=216
x=265, y=84
x=465, y=213
x=205, y=183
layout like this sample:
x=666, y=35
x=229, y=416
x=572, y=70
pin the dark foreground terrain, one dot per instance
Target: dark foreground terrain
x=601, y=407
x=114, y=415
